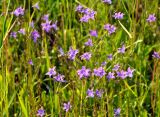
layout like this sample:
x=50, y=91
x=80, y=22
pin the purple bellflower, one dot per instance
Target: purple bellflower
x=99, y=72
x=41, y=112
x=117, y=112
x=51, y=72
x=22, y=31
x=110, y=75
x=116, y=67
x=86, y=56
x=72, y=53
x=35, y=35
x=121, y=74
x=90, y=93
x=19, y=11
x=129, y=72
x=151, y=18
x=122, y=49
x=118, y=15
x=67, y=106
x=99, y=93
x=110, y=28
x=156, y=55
x=13, y=34
x=36, y=5
x=30, y=62
x=89, y=43
x=45, y=17
x=93, y=33
x=59, y=78
x=107, y=1
x=83, y=72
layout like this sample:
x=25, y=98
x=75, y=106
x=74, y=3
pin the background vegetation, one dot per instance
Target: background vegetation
x=25, y=88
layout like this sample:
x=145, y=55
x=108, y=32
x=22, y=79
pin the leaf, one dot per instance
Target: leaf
x=22, y=105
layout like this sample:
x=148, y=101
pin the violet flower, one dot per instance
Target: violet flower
x=22, y=31
x=41, y=112
x=129, y=72
x=51, y=72
x=122, y=49
x=59, y=78
x=86, y=56
x=99, y=72
x=72, y=53
x=156, y=55
x=89, y=43
x=90, y=93
x=117, y=112
x=121, y=74
x=93, y=33
x=83, y=72
x=35, y=35
x=151, y=18
x=19, y=11
x=118, y=15
x=36, y=5
x=107, y=1
x=67, y=106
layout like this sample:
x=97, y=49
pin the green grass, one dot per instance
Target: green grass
x=25, y=88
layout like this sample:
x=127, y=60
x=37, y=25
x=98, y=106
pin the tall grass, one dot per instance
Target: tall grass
x=25, y=88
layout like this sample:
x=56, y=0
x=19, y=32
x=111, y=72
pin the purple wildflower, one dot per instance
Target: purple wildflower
x=99, y=93
x=86, y=56
x=36, y=5
x=151, y=18
x=117, y=112
x=89, y=43
x=116, y=67
x=19, y=11
x=107, y=1
x=118, y=15
x=22, y=31
x=72, y=53
x=31, y=24
x=61, y=51
x=79, y=8
x=54, y=26
x=91, y=14
x=35, y=35
x=46, y=26
x=59, y=78
x=45, y=17
x=99, y=72
x=41, y=112
x=110, y=57
x=51, y=72
x=67, y=106
x=83, y=72
x=93, y=33
x=103, y=63
x=85, y=18
x=88, y=14
x=13, y=34
x=156, y=55
x=121, y=74
x=90, y=93
x=30, y=62
x=129, y=72
x=110, y=75
x=110, y=28
x=122, y=49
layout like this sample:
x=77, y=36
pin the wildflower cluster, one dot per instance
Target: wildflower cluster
x=87, y=13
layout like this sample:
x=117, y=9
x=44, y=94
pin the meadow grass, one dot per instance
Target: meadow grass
x=25, y=88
